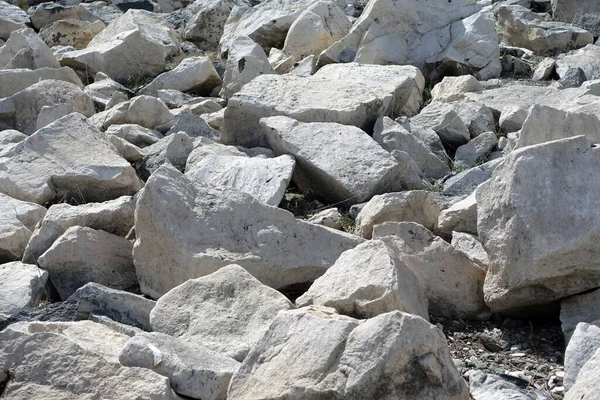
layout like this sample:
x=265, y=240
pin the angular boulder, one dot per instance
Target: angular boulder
x=22, y=287
x=583, y=344
x=15, y=80
x=579, y=308
x=194, y=74
x=18, y=219
x=12, y=18
x=24, y=49
x=587, y=384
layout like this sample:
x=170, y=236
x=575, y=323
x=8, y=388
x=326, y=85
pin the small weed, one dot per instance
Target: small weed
x=135, y=83
x=348, y=223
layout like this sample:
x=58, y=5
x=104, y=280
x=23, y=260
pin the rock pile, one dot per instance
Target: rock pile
x=300, y=199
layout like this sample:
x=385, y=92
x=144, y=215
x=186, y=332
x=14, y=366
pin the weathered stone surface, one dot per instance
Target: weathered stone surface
x=12, y=18
x=452, y=282
x=513, y=118
x=208, y=148
x=461, y=216
x=17, y=222
x=193, y=370
x=525, y=196
x=227, y=311
x=24, y=49
x=565, y=10
x=582, y=346
x=47, y=13
x=246, y=60
x=586, y=58
x=367, y=281
x=476, y=151
x=15, y=80
x=472, y=247
x=21, y=287
x=194, y=74
x=146, y=111
x=82, y=255
x=453, y=88
x=104, y=91
x=330, y=218
x=590, y=21
x=442, y=118
x=491, y=386
x=544, y=69
x=71, y=32
x=587, y=384
x=44, y=356
x=464, y=183
x=120, y=306
x=135, y=134
x=81, y=164
x=418, y=33
x=264, y=179
x=204, y=21
x=173, y=149
x=205, y=228
x=413, y=206
x=579, y=308
x=334, y=356
x=477, y=117
x=523, y=28
x=135, y=45
x=22, y=110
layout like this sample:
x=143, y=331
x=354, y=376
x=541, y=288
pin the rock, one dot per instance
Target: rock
x=442, y=118
x=24, y=49
x=135, y=134
x=207, y=148
x=472, y=247
x=579, y=308
x=245, y=61
x=476, y=151
x=47, y=13
x=65, y=311
x=461, y=216
x=586, y=385
x=335, y=356
x=411, y=32
x=104, y=89
x=452, y=88
x=477, y=117
x=118, y=305
x=46, y=355
x=367, y=281
x=104, y=13
x=414, y=206
x=493, y=342
x=22, y=287
x=586, y=59
x=192, y=370
x=12, y=18
x=582, y=346
x=330, y=218
x=590, y=21
x=315, y=29
x=173, y=150
x=565, y=10
x=113, y=216
x=452, y=282
x=110, y=51
x=393, y=136
x=353, y=176
x=227, y=311
x=494, y=386
x=264, y=179
x=15, y=80
x=523, y=28
x=206, y=20
x=242, y=231
x=17, y=221
x=545, y=124
x=526, y=195
x=71, y=32
x=513, y=118
x=67, y=159
x=348, y=94
x=571, y=77
x=465, y=182
x=193, y=126
x=146, y=111
x=22, y=110
x=82, y=255
x=544, y=69
x=194, y=74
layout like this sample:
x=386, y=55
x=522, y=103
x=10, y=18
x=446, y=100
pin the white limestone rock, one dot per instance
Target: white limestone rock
x=330, y=218
x=227, y=311
x=579, y=308
x=442, y=118
x=12, y=18
x=461, y=216
x=453, y=88
x=17, y=222
x=135, y=134
x=587, y=384
x=513, y=118
x=476, y=151
x=472, y=247
x=583, y=344
x=24, y=49
x=194, y=74
x=71, y=32
x=565, y=10
x=15, y=80
x=21, y=287
x=586, y=58
x=146, y=111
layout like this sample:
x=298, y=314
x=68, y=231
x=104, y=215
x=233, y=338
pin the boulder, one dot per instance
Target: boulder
x=579, y=308
x=146, y=111
x=104, y=91
x=521, y=27
x=492, y=386
x=12, y=18
x=194, y=74
x=23, y=109
x=17, y=222
x=82, y=255
x=412, y=32
x=44, y=356
x=393, y=136
x=118, y=305
x=460, y=216
x=193, y=125
x=565, y=10
x=173, y=149
x=513, y=118
x=476, y=151
x=453, y=88
x=590, y=21
x=587, y=384
x=15, y=80
x=227, y=311
x=330, y=218
x=452, y=282
x=352, y=176
x=527, y=195
x=336, y=357
x=205, y=228
x=544, y=69
x=71, y=32
x=586, y=58
x=245, y=61
x=113, y=216
x=266, y=179
x=446, y=123
x=414, y=206
x=571, y=77
x=47, y=13
x=135, y=134
x=477, y=117
x=193, y=370
x=472, y=247
x=24, y=49
x=583, y=344
x=465, y=182
x=545, y=124
x=147, y=34
x=22, y=287
x=67, y=159
x=367, y=281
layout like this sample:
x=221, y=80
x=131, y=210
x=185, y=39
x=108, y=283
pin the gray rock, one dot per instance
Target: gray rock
x=579, y=308
x=17, y=221
x=471, y=246
x=194, y=126
x=22, y=287
x=476, y=151
x=12, y=18
x=544, y=69
x=446, y=123
x=460, y=216
x=478, y=117
x=145, y=111
x=590, y=21
x=571, y=77
x=493, y=386
x=15, y=80
x=582, y=346
x=585, y=58
x=173, y=149
x=103, y=90
x=565, y=10
x=64, y=311
x=24, y=49
x=464, y=183
x=512, y=118
x=135, y=134
x=587, y=385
